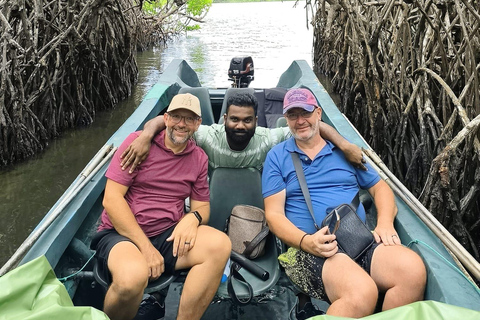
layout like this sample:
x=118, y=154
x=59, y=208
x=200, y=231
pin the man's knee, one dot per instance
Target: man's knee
x=364, y=298
x=218, y=244
x=410, y=267
x=129, y=270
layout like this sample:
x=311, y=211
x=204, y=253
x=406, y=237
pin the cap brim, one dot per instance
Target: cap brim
x=307, y=107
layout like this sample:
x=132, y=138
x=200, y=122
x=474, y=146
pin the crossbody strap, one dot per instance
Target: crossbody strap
x=303, y=184
x=256, y=241
x=306, y=194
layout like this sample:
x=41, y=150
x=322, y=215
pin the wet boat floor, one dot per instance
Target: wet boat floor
x=277, y=303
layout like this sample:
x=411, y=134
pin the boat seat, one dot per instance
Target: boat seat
x=271, y=109
x=153, y=286
x=229, y=187
x=205, y=105
x=230, y=92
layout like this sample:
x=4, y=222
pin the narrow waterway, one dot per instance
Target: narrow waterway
x=273, y=33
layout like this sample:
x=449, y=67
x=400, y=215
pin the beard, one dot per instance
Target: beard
x=239, y=136
x=314, y=128
x=176, y=140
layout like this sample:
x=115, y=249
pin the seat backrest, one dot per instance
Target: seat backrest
x=230, y=92
x=205, y=105
x=272, y=108
x=232, y=186
x=281, y=122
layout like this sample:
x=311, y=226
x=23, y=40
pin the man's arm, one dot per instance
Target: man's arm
x=185, y=233
x=125, y=224
x=386, y=211
x=351, y=151
x=138, y=150
x=320, y=243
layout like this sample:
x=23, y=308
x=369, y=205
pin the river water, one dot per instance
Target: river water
x=273, y=33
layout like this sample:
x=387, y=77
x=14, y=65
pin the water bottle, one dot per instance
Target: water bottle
x=226, y=272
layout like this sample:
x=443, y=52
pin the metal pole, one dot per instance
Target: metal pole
x=427, y=217
x=95, y=165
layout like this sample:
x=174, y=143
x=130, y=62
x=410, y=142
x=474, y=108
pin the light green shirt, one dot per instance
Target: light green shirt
x=213, y=140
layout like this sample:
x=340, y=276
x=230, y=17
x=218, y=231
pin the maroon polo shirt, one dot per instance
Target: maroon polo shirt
x=159, y=186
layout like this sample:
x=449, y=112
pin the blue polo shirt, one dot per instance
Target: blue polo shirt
x=331, y=181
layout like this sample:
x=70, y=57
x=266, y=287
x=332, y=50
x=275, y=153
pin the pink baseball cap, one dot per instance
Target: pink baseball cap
x=299, y=98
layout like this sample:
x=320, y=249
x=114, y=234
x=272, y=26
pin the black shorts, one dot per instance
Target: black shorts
x=105, y=240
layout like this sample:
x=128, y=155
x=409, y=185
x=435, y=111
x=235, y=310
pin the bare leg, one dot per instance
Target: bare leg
x=207, y=261
x=350, y=289
x=129, y=279
x=400, y=273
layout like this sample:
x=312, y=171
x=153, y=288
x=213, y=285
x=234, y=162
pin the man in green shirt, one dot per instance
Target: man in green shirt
x=238, y=143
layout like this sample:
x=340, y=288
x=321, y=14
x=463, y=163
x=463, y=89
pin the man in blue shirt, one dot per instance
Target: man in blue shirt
x=351, y=286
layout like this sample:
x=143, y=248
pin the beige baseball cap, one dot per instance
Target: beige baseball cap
x=185, y=101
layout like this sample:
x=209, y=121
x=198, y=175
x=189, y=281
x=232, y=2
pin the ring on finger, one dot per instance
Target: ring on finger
x=186, y=242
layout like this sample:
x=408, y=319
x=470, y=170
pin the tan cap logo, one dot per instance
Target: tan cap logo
x=185, y=101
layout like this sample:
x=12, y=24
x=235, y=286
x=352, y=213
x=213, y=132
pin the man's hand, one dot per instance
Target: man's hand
x=184, y=235
x=135, y=153
x=155, y=262
x=355, y=156
x=386, y=234
x=321, y=243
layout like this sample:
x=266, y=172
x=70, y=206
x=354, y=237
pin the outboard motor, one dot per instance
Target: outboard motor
x=241, y=72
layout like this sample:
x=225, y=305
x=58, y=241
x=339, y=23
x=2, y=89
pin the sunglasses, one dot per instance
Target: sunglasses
x=334, y=223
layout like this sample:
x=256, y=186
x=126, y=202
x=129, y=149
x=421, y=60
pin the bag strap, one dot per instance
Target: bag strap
x=306, y=194
x=256, y=241
x=234, y=274
x=303, y=185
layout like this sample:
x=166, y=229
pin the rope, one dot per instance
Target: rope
x=74, y=274
x=416, y=241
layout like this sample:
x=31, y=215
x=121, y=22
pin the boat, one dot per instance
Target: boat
x=65, y=233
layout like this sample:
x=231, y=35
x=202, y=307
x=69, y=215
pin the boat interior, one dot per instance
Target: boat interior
x=66, y=244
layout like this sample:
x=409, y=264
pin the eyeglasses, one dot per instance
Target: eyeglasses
x=176, y=118
x=294, y=115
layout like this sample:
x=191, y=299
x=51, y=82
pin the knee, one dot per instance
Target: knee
x=415, y=275
x=129, y=287
x=219, y=245
x=364, y=299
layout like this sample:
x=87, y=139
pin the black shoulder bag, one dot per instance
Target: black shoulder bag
x=353, y=236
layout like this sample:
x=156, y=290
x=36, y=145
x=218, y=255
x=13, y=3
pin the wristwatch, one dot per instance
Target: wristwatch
x=198, y=216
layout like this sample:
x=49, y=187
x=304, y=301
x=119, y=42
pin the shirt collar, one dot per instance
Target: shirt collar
x=291, y=146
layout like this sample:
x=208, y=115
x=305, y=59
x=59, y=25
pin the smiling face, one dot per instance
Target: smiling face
x=240, y=123
x=303, y=124
x=181, y=125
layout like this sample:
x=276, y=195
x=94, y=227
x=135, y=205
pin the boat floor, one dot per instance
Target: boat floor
x=277, y=303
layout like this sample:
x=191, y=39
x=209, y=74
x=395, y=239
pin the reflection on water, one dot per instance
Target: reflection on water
x=273, y=33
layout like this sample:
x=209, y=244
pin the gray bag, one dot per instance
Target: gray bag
x=248, y=230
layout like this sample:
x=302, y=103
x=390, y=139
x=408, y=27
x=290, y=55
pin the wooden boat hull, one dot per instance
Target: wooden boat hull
x=66, y=241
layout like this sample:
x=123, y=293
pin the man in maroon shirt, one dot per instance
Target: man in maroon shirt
x=145, y=230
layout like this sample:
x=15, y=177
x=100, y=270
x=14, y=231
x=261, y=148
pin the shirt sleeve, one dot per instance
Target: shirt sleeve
x=278, y=135
x=272, y=179
x=367, y=179
x=114, y=171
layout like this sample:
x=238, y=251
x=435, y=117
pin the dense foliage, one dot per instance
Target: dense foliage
x=64, y=60
x=408, y=75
